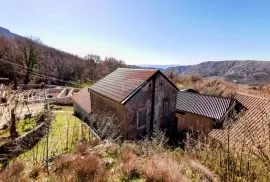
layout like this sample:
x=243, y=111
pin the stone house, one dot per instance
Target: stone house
x=142, y=100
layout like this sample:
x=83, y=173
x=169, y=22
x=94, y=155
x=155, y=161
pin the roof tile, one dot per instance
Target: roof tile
x=205, y=105
x=122, y=82
x=82, y=98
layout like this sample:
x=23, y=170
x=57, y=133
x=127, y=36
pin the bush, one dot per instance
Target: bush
x=90, y=168
x=13, y=172
x=74, y=167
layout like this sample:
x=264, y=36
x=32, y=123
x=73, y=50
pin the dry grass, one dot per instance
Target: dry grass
x=161, y=168
x=13, y=172
x=147, y=160
x=80, y=168
x=218, y=86
x=82, y=147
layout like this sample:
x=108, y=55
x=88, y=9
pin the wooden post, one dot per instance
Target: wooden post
x=13, y=132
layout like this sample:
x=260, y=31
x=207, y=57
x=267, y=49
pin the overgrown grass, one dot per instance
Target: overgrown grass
x=66, y=108
x=26, y=125
x=65, y=131
x=23, y=126
x=80, y=84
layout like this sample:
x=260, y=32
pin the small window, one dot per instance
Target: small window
x=142, y=116
x=166, y=108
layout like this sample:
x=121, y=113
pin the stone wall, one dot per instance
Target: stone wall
x=23, y=143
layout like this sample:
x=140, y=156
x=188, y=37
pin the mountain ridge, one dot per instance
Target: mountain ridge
x=6, y=32
x=250, y=72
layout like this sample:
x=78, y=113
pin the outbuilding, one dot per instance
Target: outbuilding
x=195, y=111
x=142, y=100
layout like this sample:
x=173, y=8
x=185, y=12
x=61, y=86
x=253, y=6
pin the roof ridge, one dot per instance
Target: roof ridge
x=207, y=95
x=139, y=69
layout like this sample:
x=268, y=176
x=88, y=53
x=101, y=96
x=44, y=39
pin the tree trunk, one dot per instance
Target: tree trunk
x=13, y=131
x=27, y=77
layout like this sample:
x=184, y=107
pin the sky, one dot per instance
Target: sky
x=163, y=32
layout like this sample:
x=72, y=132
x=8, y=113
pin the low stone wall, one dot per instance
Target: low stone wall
x=36, y=86
x=23, y=143
x=61, y=101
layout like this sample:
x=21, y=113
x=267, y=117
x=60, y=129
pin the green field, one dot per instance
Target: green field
x=65, y=132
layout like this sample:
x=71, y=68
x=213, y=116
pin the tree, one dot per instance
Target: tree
x=5, y=46
x=92, y=61
x=30, y=55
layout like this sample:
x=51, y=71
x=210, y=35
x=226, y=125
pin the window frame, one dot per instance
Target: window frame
x=138, y=118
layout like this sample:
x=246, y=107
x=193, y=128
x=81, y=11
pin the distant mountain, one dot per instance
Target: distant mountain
x=156, y=66
x=152, y=68
x=6, y=32
x=178, y=69
x=248, y=71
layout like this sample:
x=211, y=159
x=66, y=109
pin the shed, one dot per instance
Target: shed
x=200, y=112
x=142, y=100
x=81, y=103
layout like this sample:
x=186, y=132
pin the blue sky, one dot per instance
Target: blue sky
x=147, y=31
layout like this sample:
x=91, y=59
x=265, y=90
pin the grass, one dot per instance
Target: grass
x=23, y=126
x=65, y=131
x=66, y=108
x=80, y=84
x=26, y=125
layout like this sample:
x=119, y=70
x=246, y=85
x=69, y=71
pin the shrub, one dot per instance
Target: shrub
x=35, y=171
x=90, y=168
x=13, y=172
x=73, y=167
x=161, y=168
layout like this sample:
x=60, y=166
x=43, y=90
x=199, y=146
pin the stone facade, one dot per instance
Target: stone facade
x=152, y=97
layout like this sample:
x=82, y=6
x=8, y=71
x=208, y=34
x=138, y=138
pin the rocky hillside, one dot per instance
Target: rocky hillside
x=249, y=72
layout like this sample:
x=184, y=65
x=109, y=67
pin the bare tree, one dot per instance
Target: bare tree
x=5, y=46
x=30, y=55
x=92, y=61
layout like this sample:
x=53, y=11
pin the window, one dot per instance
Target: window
x=166, y=108
x=142, y=116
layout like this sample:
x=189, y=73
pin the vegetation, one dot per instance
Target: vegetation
x=65, y=131
x=216, y=86
x=29, y=60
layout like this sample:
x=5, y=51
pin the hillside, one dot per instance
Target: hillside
x=6, y=32
x=51, y=65
x=248, y=72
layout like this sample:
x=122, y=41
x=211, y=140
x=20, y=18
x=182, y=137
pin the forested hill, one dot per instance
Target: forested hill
x=247, y=71
x=29, y=60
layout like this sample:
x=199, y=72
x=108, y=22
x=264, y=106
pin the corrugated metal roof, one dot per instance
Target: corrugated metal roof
x=121, y=83
x=251, y=128
x=82, y=98
x=205, y=105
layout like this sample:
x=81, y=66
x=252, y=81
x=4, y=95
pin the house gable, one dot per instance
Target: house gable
x=122, y=83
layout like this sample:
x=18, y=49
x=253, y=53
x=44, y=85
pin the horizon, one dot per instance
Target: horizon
x=147, y=32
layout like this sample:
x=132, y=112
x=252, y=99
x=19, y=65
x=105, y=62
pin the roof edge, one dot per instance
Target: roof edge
x=178, y=110
x=104, y=96
x=124, y=101
x=168, y=80
x=231, y=98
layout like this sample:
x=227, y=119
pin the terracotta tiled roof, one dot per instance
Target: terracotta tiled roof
x=205, y=105
x=121, y=83
x=82, y=98
x=253, y=127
